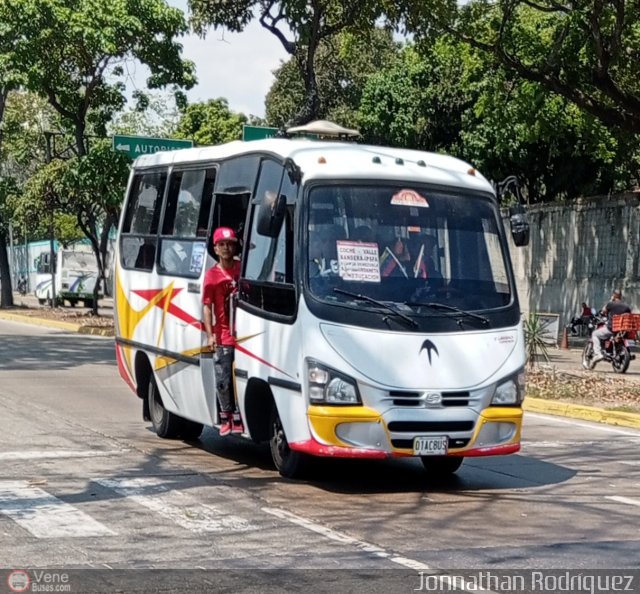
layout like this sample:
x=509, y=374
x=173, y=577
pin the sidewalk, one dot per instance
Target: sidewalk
x=27, y=310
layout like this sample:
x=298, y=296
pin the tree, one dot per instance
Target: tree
x=72, y=52
x=419, y=101
x=89, y=188
x=299, y=25
x=440, y=98
x=587, y=52
x=211, y=123
x=159, y=118
x=344, y=63
x=10, y=79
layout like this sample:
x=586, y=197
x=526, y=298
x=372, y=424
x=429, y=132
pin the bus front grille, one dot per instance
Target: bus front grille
x=429, y=426
x=401, y=398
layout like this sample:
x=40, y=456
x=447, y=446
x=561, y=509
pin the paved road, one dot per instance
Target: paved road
x=84, y=483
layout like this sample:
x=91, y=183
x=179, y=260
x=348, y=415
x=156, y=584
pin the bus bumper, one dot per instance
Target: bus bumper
x=361, y=432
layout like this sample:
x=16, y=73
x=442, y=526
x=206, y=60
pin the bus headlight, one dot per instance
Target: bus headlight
x=328, y=386
x=510, y=392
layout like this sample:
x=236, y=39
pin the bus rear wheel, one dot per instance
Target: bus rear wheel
x=165, y=424
x=288, y=463
x=441, y=466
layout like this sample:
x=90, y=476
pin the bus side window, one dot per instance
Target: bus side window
x=267, y=281
x=140, y=226
x=186, y=212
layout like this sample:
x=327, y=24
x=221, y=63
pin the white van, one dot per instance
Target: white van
x=75, y=273
x=376, y=315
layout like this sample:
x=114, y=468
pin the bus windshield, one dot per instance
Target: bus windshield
x=410, y=245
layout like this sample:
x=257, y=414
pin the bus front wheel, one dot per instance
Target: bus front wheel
x=441, y=466
x=165, y=424
x=288, y=463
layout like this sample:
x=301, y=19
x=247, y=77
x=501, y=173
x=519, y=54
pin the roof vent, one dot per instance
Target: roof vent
x=323, y=129
x=421, y=163
x=399, y=161
x=376, y=159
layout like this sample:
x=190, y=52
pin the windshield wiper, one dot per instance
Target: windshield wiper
x=451, y=308
x=382, y=304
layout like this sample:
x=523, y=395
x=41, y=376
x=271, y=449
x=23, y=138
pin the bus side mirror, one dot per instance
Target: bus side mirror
x=271, y=214
x=519, y=225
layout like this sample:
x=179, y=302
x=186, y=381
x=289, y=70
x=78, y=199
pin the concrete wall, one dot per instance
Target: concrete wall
x=579, y=252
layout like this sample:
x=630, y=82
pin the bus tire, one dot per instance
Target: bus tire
x=190, y=430
x=288, y=463
x=165, y=423
x=441, y=466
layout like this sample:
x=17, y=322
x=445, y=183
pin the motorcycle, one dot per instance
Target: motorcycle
x=616, y=350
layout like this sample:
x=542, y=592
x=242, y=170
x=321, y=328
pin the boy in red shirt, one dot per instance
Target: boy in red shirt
x=220, y=283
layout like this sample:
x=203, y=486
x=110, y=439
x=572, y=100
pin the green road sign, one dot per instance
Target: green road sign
x=257, y=132
x=135, y=146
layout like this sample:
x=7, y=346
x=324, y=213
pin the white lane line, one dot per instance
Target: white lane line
x=48, y=454
x=594, y=425
x=343, y=538
x=443, y=579
x=44, y=515
x=163, y=498
x=621, y=499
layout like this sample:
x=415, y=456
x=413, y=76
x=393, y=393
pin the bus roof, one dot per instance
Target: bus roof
x=331, y=160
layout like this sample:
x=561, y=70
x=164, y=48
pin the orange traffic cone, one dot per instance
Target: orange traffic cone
x=564, y=343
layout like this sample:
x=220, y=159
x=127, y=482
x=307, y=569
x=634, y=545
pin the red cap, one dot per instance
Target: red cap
x=224, y=234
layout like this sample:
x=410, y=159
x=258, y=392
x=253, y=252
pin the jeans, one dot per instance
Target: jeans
x=601, y=334
x=223, y=365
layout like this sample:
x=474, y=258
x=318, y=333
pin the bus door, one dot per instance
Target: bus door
x=181, y=266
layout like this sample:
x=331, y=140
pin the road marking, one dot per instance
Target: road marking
x=342, y=538
x=42, y=455
x=163, y=498
x=44, y=515
x=620, y=499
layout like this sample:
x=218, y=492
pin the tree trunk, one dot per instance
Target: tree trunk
x=6, y=291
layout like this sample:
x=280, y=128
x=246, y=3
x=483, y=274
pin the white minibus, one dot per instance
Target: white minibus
x=376, y=314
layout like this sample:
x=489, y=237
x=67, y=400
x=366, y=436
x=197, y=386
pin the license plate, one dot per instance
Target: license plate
x=431, y=446
x=631, y=343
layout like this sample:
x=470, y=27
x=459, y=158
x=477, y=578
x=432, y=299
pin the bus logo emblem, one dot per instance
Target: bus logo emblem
x=427, y=344
x=433, y=399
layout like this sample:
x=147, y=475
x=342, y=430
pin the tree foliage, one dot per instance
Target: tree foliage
x=72, y=52
x=452, y=98
x=300, y=26
x=344, y=62
x=90, y=188
x=587, y=52
x=210, y=123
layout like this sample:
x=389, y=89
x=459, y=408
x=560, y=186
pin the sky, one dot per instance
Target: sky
x=236, y=66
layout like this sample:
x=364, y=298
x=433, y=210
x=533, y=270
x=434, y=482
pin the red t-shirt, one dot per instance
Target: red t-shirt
x=219, y=284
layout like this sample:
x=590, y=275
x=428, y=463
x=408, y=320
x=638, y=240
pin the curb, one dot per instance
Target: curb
x=577, y=411
x=56, y=324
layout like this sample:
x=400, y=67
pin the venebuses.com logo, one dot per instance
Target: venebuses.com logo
x=18, y=580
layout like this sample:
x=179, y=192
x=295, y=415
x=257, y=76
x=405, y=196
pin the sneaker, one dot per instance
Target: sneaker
x=597, y=358
x=236, y=423
x=225, y=425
